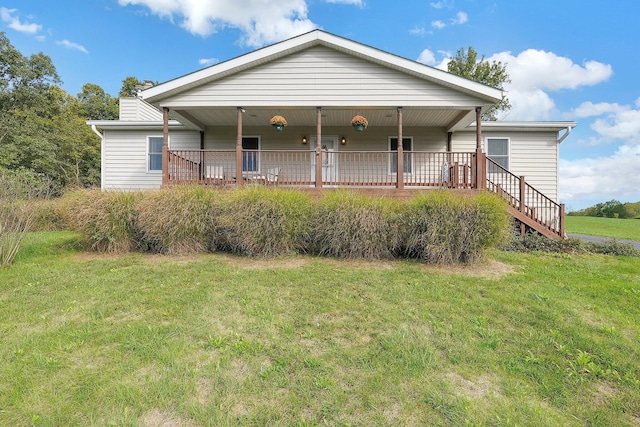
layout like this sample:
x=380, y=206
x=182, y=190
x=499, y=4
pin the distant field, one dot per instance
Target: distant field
x=217, y=340
x=608, y=227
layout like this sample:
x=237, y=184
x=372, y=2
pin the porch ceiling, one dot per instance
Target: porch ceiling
x=330, y=117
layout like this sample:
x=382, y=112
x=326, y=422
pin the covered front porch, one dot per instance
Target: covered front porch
x=327, y=153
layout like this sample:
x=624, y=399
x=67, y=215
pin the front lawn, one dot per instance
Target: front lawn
x=147, y=340
x=608, y=227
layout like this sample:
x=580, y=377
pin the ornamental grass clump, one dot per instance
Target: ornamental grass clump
x=263, y=222
x=178, y=220
x=352, y=225
x=107, y=219
x=444, y=228
x=19, y=189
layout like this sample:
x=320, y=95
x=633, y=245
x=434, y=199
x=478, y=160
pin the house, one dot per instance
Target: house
x=218, y=126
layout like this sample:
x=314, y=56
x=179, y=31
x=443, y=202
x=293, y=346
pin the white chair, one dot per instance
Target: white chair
x=271, y=177
x=214, y=172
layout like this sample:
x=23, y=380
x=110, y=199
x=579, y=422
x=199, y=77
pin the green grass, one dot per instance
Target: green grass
x=141, y=340
x=608, y=227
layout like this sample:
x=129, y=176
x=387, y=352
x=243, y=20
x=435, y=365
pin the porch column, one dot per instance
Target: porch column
x=165, y=146
x=481, y=163
x=400, y=166
x=318, y=147
x=239, y=180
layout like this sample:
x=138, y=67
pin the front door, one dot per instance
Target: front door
x=329, y=159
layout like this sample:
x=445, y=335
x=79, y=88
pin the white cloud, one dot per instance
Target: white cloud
x=418, y=31
x=441, y=4
x=593, y=180
x=359, y=3
x=534, y=73
x=261, y=21
x=613, y=122
x=208, y=61
x=14, y=22
x=72, y=46
x=429, y=58
x=461, y=18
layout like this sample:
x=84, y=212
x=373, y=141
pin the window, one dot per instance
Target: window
x=250, y=158
x=407, y=145
x=498, y=151
x=155, y=153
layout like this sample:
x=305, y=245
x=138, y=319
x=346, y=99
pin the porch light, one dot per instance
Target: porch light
x=359, y=122
x=304, y=139
x=278, y=122
x=343, y=140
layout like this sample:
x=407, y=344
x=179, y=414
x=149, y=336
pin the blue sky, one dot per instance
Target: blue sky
x=568, y=59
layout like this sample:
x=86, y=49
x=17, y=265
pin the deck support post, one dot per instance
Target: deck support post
x=523, y=205
x=400, y=166
x=481, y=163
x=562, y=229
x=239, y=180
x=165, y=146
x=318, y=147
x=201, y=166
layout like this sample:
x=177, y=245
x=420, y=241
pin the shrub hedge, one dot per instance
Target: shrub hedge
x=436, y=227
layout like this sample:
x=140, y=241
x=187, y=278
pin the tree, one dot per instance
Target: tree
x=494, y=74
x=130, y=87
x=96, y=103
x=25, y=88
x=42, y=128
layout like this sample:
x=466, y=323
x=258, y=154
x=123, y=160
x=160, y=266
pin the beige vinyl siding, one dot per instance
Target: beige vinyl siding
x=372, y=139
x=134, y=109
x=322, y=76
x=300, y=164
x=533, y=155
x=125, y=157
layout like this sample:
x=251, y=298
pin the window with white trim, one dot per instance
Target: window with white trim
x=498, y=151
x=407, y=145
x=154, y=153
x=250, y=159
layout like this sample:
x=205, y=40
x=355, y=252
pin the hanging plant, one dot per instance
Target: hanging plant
x=359, y=122
x=278, y=122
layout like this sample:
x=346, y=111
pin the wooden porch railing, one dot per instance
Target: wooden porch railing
x=530, y=206
x=339, y=169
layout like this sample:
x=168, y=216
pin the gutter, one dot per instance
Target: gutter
x=95, y=130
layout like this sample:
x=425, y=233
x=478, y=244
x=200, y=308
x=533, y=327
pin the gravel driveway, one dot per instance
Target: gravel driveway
x=600, y=239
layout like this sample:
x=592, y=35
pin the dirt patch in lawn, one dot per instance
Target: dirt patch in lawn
x=158, y=418
x=487, y=268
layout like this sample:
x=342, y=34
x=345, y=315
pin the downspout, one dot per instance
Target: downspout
x=95, y=130
x=566, y=134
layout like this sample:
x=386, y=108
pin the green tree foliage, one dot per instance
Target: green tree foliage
x=42, y=128
x=494, y=74
x=610, y=209
x=96, y=104
x=129, y=87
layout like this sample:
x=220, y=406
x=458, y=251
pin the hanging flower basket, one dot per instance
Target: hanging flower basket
x=360, y=123
x=278, y=122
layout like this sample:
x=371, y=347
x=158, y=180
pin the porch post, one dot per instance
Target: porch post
x=523, y=204
x=165, y=146
x=318, y=147
x=400, y=166
x=239, y=180
x=481, y=180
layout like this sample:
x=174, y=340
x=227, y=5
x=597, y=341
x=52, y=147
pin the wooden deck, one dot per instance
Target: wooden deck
x=374, y=172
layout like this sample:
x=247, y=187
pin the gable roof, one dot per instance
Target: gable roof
x=273, y=52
